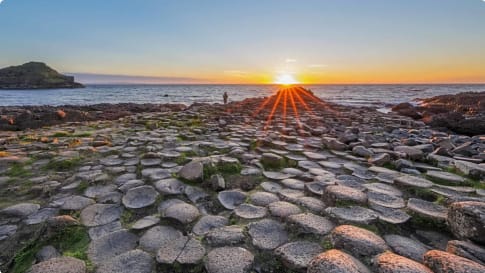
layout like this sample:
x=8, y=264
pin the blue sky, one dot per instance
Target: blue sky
x=251, y=41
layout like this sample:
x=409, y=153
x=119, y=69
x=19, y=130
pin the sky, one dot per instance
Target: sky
x=250, y=41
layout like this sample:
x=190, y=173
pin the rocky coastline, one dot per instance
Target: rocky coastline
x=288, y=183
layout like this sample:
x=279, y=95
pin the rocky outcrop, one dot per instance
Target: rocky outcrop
x=35, y=75
x=463, y=113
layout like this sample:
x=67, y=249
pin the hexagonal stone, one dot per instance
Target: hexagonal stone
x=388, y=262
x=156, y=237
x=392, y=216
x=99, y=190
x=413, y=181
x=111, y=245
x=310, y=223
x=231, y=199
x=46, y=253
x=100, y=214
x=155, y=174
x=140, y=197
x=383, y=188
x=267, y=234
x=59, y=265
x=427, y=209
x=261, y=198
x=229, y=260
x=407, y=247
x=20, y=210
x=41, y=216
x=133, y=261
x=283, y=209
x=7, y=231
x=192, y=171
x=277, y=175
x=467, y=220
x=146, y=222
x=336, y=194
x=100, y=231
x=192, y=252
x=225, y=236
x=445, y=177
x=171, y=249
x=293, y=183
x=207, y=223
x=248, y=211
x=297, y=255
x=271, y=187
x=467, y=250
x=336, y=261
x=358, y=241
x=352, y=214
x=76, y=202
x=385, y=200
x=170, y=186
x=182, y=212
x=315, y=156
x=272, y=161
x=444, y=262
x=290, y=195
x=311, y=203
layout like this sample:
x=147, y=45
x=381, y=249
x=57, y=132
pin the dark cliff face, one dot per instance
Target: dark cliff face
x=34, y=75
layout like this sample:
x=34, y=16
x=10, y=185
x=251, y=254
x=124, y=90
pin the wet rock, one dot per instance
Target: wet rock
x=156, y=237
x=111, y=245
x=444, y=262
x=229, y=260
x=357, y=241
x=193, y=171
x=231, y=199
x=267, y=234
x=310, y=223
x=352, y=214
x=207, y=223
x=133, y=261
x=225, y=236
x=388, y=262
x=100, y=214
x=59, y=265
x=467, y=220
x=467, y=250
x=407, y=247
x=297, y=255
x=283, y=209
x=140, y=197
x=336, y=261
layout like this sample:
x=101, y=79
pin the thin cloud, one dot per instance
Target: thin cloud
x=236, y=73
x=319, y=65
x=290, y=61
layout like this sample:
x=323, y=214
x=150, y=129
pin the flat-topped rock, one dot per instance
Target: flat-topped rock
x=267, y=234
x=309, y=223
x=261, y=198
x=410, y=152
x=133, y=261
x=358, y=241
x=336, y=261
x=385, y=200
x=192, y=171
x=231, y=199
x=445, y=177
x=444, y=262
x=352, y=214
x=392, y=216
x=146, y=222
x=427, y=209
x=336, y=194
x=207, y=223
x=111, y=245
x=467, y=220
x=76, y=202
x=156, y=237
x=59, y=265
x=271, y=187
x=100, y=214
x=467, y=250
x=229, y=260
x=140, y=197
x=283, y=209
x=297, y=255
x=248, y=211
x=100, y=231
x=20, y=210
x=407, y=247
x=388, y=262
x=182, y=212
x=413, y=181
x=170, y=186
x=277, y=175
x=225, y=236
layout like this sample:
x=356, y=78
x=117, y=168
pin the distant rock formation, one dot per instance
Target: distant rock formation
x=34, y=75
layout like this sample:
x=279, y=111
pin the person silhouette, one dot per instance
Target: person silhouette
x=225, y=96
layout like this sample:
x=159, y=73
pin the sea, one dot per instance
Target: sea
x=378, y=96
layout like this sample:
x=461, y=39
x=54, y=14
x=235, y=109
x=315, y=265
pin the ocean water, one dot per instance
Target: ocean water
x=378, y=96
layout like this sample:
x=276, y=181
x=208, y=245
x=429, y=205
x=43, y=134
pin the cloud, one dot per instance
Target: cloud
x=1, y=1
x=290, y=61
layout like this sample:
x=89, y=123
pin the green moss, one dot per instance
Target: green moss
x=18, y=170
x=230, y=168
x=82, y=186
x=327, y=245
x=182, y=159
x=62, y=165
x=84, y=134
x=209, y=170
x=126, y=217
x=60, y=134
x=24, y=258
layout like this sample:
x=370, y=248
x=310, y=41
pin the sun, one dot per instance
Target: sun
x=285, y=79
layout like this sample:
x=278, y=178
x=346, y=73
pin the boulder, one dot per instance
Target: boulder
x=467, y=220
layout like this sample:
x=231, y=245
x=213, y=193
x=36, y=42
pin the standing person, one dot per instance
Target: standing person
x=225, y=96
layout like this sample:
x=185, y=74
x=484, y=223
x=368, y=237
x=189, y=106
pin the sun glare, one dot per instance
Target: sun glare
x=285, y=79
